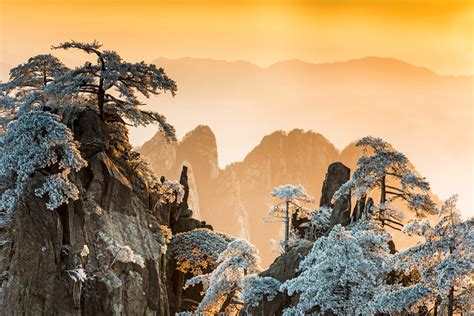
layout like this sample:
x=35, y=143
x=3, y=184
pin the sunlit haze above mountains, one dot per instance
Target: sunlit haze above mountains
x=248, y=68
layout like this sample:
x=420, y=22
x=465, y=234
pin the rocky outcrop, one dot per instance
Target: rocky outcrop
x=241, y=190
x=113, y=232
x=336, y=176
x=283, y=268
x=198, y=152
x=182, y=221
x=237, y=199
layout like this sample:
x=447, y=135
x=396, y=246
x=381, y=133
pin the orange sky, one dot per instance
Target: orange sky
x=436, y=34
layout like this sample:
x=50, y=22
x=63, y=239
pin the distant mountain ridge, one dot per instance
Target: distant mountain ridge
x=380, y=64
x=410, y=106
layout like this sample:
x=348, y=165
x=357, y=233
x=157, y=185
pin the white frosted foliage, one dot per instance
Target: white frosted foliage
x=224, y=285
x=343, y=272
x=444, y=262
x=35, y=142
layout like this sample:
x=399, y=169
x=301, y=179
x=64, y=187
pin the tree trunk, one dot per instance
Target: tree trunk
x=101, y=100
x=227, y=301
x=101, y=91
x=451, y=302
x=287, y=224
x=435, y=308
x=358, y=209
x=383, y=195
x=44, y=75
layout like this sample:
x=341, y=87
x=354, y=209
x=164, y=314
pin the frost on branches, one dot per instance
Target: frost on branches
x=38, y=142
x=25, y=89
x=115, y=85
x=257, y=288
x=223, y=286
x=343, y=273
x=293, y=198
x=198, y=250
x=319, y=223
x=445, y=263
x=387, y=171
x=171, y=191
x=289, y=192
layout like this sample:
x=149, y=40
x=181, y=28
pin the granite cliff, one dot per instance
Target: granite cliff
x=236, y=198
x=116, y=232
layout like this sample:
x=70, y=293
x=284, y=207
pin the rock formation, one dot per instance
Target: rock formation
x=241, y=190
x=236, y=198
x=113, y=231
x=283, y=268
x=336, y=176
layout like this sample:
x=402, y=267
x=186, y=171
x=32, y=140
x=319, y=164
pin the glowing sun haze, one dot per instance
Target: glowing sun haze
x=434, y=34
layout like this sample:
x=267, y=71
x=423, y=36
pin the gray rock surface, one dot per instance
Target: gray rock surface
x=112, y=231
x=336, y=176
x=282, y=269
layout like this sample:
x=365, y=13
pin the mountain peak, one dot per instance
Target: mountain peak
x=200, y=130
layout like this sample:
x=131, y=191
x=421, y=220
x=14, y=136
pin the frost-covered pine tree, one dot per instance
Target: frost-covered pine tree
x=115, y=84
x=256, y=288
x=444, y=261
x=319, y=223
x=343, y=273
x=292, y=199
x=198, y=250
x=26, y=85
x=385, y=170
x=223, y=285
x=37, y=142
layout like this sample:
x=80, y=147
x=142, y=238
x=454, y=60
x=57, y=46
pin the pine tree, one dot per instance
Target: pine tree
x=126, y=80
x=25, y=88
x=445, y=262
x=343, y=273
x=388, y=171
x=198, y=250
x=224, y=284
x=257, y=288
x=292, y=197
x=37, y=142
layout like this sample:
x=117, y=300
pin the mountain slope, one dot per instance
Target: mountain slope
x=406, y=105
x=236, y=199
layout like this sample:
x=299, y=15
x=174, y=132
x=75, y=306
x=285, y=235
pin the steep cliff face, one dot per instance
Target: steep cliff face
x=198, y=151
x=243, y=188
x=237, y=198
x=113, y=231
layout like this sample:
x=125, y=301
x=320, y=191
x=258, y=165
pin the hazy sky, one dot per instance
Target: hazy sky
x=435, y=34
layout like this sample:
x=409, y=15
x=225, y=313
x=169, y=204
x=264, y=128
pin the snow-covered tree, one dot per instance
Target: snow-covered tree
x=115, y=84
x=257, y=288
x=198, y=250
x=171, y=191
x=223, y=285
x=388, y=171
x=343, y=273
x=319, y=223
x=26, y=85
x=445, y=262
x=292, y=199
x=38, y=142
